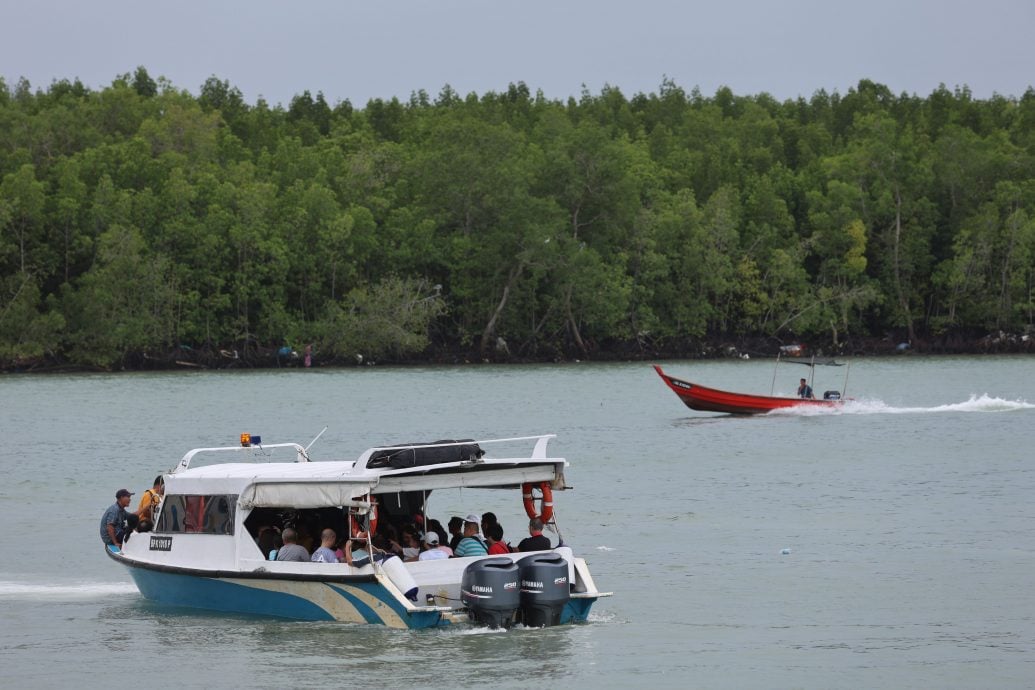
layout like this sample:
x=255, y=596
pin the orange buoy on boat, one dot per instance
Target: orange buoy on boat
x=547, y=501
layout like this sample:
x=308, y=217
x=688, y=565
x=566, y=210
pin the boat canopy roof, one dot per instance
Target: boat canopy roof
x=233, y=478
x=305, y=484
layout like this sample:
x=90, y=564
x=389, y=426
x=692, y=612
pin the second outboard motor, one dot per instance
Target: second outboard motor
x=545, y=589
x=489, y=589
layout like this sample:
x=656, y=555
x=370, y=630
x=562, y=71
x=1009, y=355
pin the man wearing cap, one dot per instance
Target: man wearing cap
x=470, y=545
x=116, y=523
x=431, y=551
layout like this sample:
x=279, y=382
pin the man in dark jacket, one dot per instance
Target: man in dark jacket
x=536, y=541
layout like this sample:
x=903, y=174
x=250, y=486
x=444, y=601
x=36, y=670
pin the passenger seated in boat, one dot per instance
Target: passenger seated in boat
x=356, y=553
x=443, y=538
x=325, y=554
x=388, y=538
x=471, y=544
x=456, y=531
x=433, y=551
x=292, y=550
x=410, y=544
x=494, y=538
x=305, y=537
x=488, y=520
x=269, y=540
x=148, y=509
x=805, y=390
x=536, y=541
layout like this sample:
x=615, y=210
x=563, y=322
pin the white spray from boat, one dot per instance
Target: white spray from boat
x=976, y=403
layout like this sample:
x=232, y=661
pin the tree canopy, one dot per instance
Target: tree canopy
x=139, y=220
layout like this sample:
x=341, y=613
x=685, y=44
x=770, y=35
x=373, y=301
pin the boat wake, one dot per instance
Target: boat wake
x=976, y=403
x=478, y=630
x=83, y=590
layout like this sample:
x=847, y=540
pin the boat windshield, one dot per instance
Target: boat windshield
x=197, y=514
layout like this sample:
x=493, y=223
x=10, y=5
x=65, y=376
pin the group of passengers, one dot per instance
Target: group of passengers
x=117, y=523
x=407, y=541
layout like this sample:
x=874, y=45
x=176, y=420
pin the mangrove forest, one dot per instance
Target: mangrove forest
x=142, y=224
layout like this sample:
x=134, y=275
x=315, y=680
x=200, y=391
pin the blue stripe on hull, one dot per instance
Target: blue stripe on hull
x=220, y=595
x=217, y=595
x=368, y=613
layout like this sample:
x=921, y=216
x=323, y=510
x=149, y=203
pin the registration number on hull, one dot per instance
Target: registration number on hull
x=161, y=543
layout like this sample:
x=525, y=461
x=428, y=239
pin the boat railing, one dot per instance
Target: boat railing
x=256, y=451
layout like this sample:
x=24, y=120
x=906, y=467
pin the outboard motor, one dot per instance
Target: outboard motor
x=489, y=589
x=545, y=589
x=832, y=395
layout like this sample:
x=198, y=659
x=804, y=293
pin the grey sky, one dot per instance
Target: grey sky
x=381, y=48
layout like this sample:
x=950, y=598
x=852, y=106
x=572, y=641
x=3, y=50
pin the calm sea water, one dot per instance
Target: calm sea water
x=887, y=545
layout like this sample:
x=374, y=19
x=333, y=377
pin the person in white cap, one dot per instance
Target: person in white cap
x=471, y=544
x=431, y=551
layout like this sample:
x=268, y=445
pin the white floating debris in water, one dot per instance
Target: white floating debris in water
x=785, y=552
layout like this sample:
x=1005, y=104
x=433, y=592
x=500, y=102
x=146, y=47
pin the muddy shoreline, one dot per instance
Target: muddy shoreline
x=189, y=359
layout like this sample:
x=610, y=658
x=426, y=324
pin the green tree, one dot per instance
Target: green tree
x=26, y=333
x=69, y=202
x=989, y=279
x=120, y=305
x=474, y=179
x=143, y=84
x=699, y=249
x=388, y=319
x=22, y=198
x=888, y=165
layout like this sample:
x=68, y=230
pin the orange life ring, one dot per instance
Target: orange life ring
x=526, y=496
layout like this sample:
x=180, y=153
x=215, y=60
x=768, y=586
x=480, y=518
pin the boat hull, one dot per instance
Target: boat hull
x=358, y=600
x=705, y=399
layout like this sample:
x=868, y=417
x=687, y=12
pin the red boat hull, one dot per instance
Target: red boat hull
x=713, y=400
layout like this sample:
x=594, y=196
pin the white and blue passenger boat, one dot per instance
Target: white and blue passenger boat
x=206, y=547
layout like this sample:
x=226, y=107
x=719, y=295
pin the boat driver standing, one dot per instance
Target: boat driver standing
x=805, y=390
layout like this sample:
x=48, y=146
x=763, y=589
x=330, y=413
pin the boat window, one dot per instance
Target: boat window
x=197, y=514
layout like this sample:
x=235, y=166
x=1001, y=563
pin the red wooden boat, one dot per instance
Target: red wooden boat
x=713, y=400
